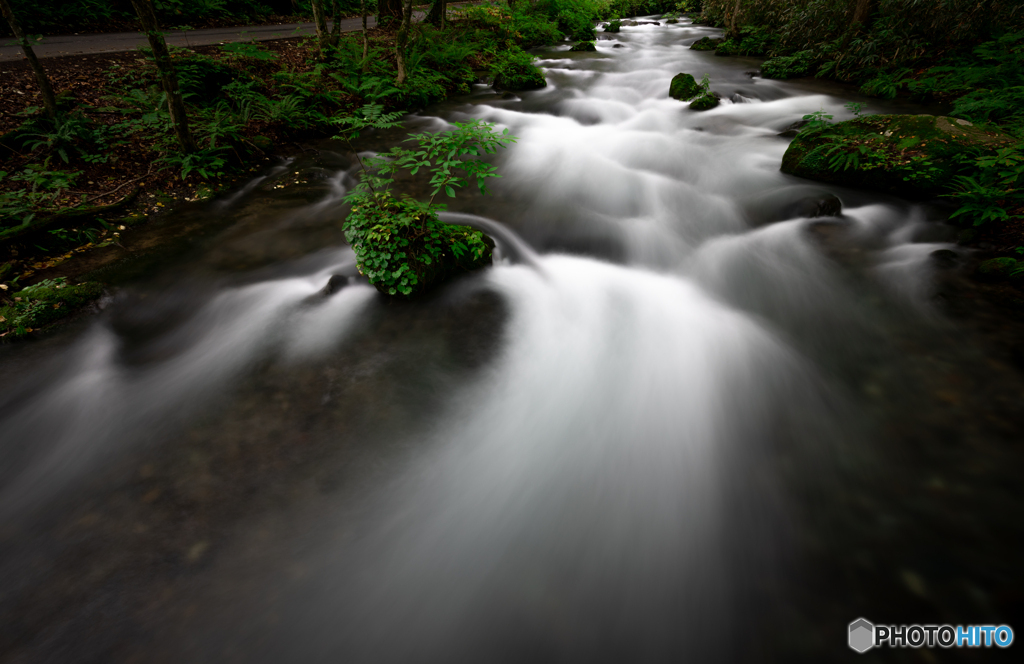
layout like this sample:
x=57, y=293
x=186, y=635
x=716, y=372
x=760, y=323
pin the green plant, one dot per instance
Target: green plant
x=856, y=108
x=996, y=191
x=39, y=304
x=817, y=120
x=250, y=50
x=514, y=70
x=400, y=244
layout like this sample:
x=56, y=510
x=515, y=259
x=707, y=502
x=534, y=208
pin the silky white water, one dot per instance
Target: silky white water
x=601, y=489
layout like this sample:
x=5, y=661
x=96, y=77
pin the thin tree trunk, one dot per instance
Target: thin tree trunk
x=322, y=36
x=402, y=41
x=862, y=11
x=175, y=103
x=336, y=26
x=49, y=100
x=732, y=20
x=366, y=41
x=438, y=12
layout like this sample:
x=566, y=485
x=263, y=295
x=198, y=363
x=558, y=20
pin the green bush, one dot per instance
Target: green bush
x=790, y=66
x=514, y=70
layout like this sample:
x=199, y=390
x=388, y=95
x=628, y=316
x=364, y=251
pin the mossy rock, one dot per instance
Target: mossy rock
x=915, y=156
x=514, y=70
x=614, y=26
x=584, y=46
x=264, y=143
x=705, y=102
x=35, y=306
x=998, y=268
x=684, y=87
x=705, y=44
x=671, y=21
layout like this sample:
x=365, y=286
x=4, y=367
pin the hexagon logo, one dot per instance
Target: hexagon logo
x=862, y=635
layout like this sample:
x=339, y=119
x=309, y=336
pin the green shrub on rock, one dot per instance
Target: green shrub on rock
x=514, y=70
x=401, y=246
x=684, y=87
x=586, y=46
x=614, y=26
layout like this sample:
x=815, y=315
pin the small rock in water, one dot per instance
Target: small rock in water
x=336, y=283
x=618, y=46
x=740, y=99
x=706, y=101
x=945, y=259
x=825, y=205
x=793, y=129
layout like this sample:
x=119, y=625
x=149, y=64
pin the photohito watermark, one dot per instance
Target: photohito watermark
x=864, y=635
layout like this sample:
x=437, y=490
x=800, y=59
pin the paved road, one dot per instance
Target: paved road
x=114, y=42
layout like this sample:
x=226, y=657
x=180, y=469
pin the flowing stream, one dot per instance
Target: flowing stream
x=679, y=419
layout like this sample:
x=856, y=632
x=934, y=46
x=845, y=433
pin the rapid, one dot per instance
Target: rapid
x=678, y=420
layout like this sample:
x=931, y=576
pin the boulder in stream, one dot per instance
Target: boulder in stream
x=614, y=26
x=584, y=46
x=705, y=44
x=684, y=87
x=916, y=156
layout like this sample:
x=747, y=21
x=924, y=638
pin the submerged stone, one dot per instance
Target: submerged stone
x=916, y=156
x=706, y=101
x=684, y=87
x=705, y=44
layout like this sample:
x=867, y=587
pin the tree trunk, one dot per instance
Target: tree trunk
x=366, y=41
x=388, y=9
x=322, y=36
x=438, y=13
x=402, y=41
x=336, y=26
x=862, y=11
x=49, y=101
x=732, y=20
x=175, y=104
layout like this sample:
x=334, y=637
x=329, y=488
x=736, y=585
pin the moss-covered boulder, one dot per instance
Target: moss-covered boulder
x=584, y=47
x=38, y=305
x=684, y=87
x=671, y=21
x=916, y=156
x=999, y=268
x=706, y=101
x=614, y=26
x=705, y=44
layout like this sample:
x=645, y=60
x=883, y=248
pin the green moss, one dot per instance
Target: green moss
x=38, y=305
x=614, y=26
x=585, y=46
x=705, y=44
x=917, y=156
x=998, y=268
x=706, y=101
x=684, y=87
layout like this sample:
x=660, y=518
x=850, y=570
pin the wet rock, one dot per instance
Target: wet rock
x=944, y=259
x=998, y=268
x=684, y=87
x=916, y=156
x=705, y=44
x=672, y=21
x=826, y=205
x=705, y=102
x=618, y=46
x=584, y=46
x=647, y=23
x=509, y=95
x=793, y=129
x=336, y=283
x=629, y=23
x=740, y=99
